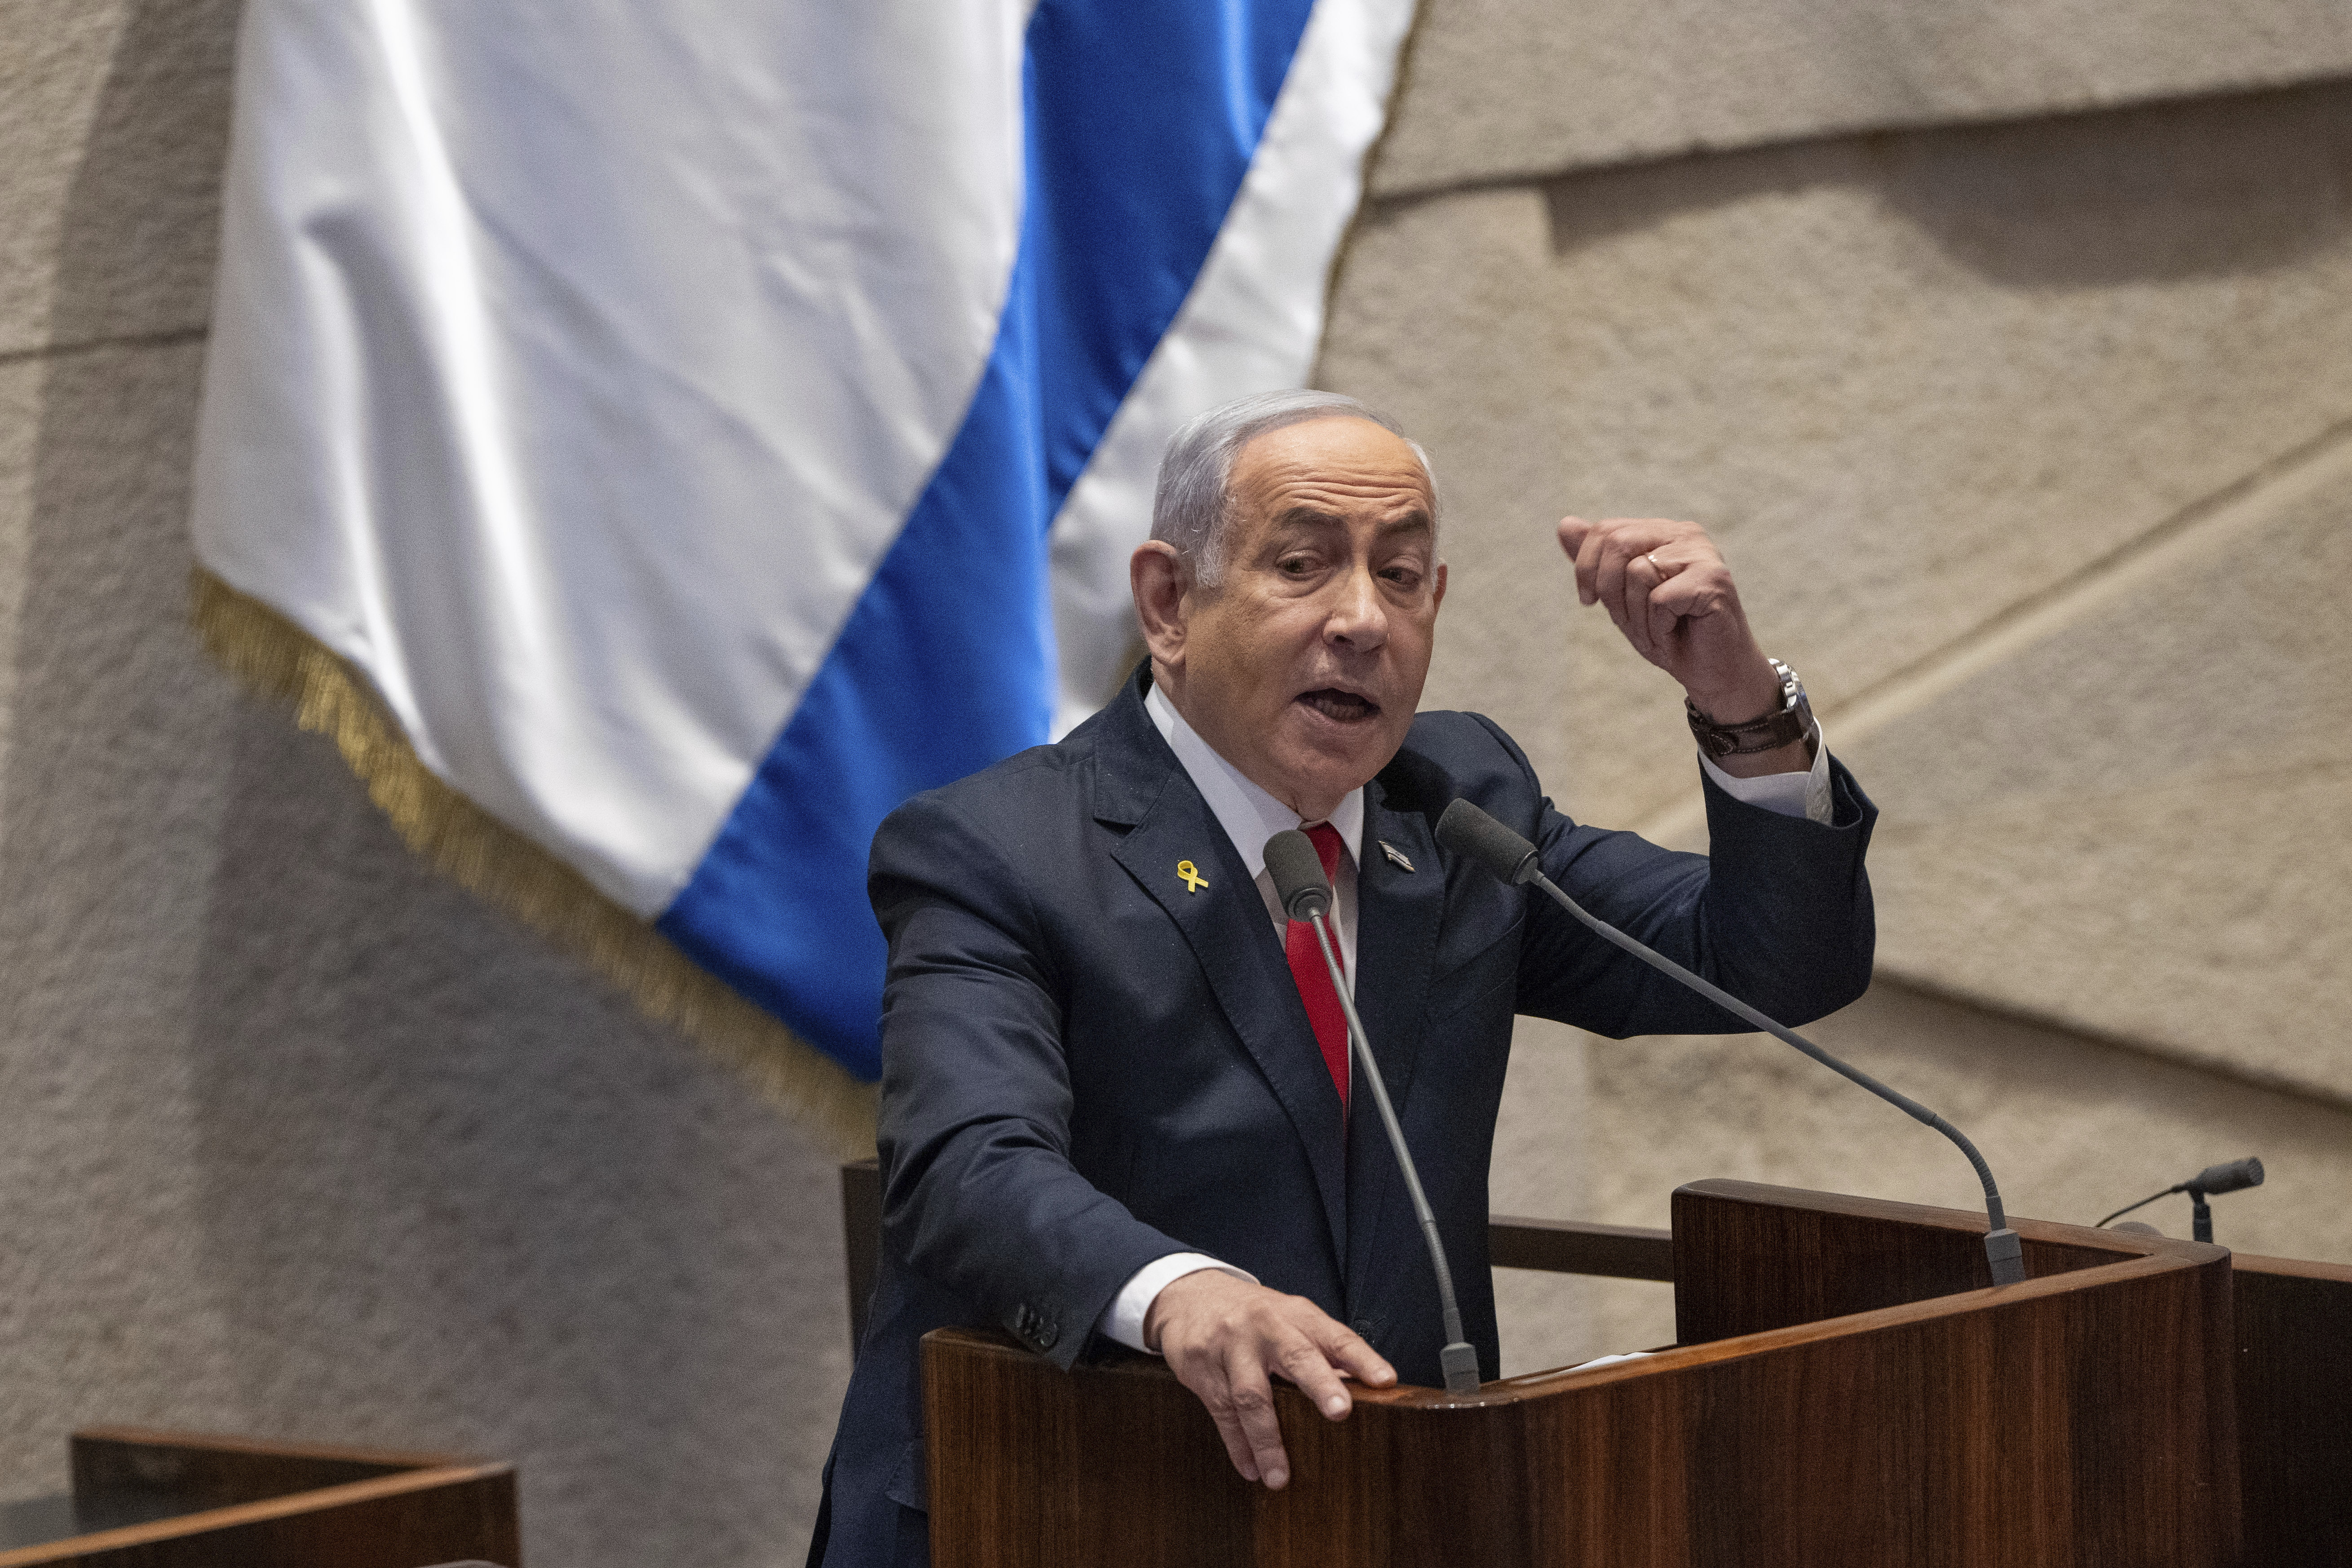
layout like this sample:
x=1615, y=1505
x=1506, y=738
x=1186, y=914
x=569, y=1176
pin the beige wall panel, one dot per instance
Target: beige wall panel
x=299, y=1138
x=20, y=399
x=104, y=1288
x=114, y=122
x=2072, y=1129
x=1453, y=342
x=2140, y=823
x=1505, y=88
x=1539, y=1169
x=1910, y=381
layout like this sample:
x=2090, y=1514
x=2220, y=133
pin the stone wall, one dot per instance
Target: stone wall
x=2004, y=349
x=2031, y=443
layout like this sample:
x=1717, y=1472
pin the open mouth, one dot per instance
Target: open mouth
x=1341, y=706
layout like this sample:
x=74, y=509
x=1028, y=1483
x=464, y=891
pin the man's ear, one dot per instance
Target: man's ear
x=1157, y=579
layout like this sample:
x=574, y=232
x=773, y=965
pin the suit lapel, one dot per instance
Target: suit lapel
x=1398, y=914
x=1226, y=925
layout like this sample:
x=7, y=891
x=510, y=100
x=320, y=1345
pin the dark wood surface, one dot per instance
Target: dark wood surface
x=1580, y=1246
x=2294, y=1341
x=198, y=1473
x=233, y=1502
x=1754, y=1259
x=2071, y=1419
x=2143, y=1375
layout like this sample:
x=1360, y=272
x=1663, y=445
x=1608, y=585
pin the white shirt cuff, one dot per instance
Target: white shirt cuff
x=1805, y=795
x=1123, y=1319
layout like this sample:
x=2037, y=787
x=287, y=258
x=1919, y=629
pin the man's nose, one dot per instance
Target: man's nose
x=1359, y=617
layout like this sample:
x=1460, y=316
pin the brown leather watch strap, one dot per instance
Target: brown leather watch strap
x=1786, y=724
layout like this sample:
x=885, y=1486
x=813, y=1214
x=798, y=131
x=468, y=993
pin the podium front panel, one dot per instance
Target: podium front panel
x=2082, y=1416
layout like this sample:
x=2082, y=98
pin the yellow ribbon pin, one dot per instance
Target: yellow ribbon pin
x=1193, y=880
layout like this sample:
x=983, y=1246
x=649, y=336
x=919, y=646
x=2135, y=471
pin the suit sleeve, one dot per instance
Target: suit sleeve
x=1779, y=914
x=979, y=1194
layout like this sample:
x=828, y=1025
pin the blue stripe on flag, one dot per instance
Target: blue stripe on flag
x=1141, y=120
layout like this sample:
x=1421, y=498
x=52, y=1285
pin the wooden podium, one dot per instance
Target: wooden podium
x=1847, y=1389
x=178, y=1499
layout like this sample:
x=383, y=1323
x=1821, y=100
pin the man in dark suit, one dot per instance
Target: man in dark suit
x=1115, y=1094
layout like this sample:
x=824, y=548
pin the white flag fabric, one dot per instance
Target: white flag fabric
x=700, y=427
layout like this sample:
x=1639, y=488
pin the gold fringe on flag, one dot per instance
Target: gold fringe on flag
x=278, y=659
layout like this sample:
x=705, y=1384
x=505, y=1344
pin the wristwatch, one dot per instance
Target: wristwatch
x=1790, y=721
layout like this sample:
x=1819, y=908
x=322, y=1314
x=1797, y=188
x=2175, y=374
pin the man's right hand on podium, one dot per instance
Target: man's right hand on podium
x=1225, y=1338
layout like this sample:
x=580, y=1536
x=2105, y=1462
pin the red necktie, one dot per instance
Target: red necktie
x=1307, y=967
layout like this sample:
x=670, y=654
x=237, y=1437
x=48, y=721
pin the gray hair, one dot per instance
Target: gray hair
x=1192, y=508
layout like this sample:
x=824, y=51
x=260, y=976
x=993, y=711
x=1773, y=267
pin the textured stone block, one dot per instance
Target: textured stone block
x=1539, y=1166
x=114, y=117
x=2140, y=821
x=2073, y=1128
x=1910, y=381
x=1508, y=89
x=20, y=402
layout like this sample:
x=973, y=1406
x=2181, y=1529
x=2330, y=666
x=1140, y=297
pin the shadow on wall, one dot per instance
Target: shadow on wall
x=2070, y=201
x=135, y=254
x=422, y=1179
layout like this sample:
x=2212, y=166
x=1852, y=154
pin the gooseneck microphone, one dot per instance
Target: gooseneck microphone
x=1305, y=895
x=1479, y=839
x=2229, y=1176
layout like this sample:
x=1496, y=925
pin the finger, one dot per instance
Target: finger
x=1305, y=1364
x=1253, y=1405
x=1587, y=565
x=1667, y=629
x=1609, y=581
x=1690, y=593
x=1670, y=596
x=1205, y=1376
x=1353, y=1354
x=1572, y=533
x=1641, y=575
x=1237, y=1443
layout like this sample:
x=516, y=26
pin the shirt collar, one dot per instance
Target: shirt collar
x=1247, y=812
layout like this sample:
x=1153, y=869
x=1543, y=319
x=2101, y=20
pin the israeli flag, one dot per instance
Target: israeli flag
x=702, y=426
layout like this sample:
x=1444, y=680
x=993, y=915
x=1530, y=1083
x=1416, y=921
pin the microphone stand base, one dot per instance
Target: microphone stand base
x=1460, y=1362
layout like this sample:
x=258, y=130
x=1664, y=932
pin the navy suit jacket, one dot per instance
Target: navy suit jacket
x=1088, y=1064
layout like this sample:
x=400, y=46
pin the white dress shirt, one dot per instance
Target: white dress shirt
x=1250, y=816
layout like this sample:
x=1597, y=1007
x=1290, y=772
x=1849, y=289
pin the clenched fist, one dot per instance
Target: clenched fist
x=1667, y=589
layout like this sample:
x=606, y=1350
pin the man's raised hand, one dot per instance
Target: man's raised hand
x=1667, y=589
x=1227, y=1339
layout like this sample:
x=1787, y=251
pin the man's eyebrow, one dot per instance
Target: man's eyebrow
x=1315, y=517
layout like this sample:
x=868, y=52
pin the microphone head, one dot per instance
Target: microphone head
x=1299, y=880
x=1479, y=839
x=2234, y=1176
